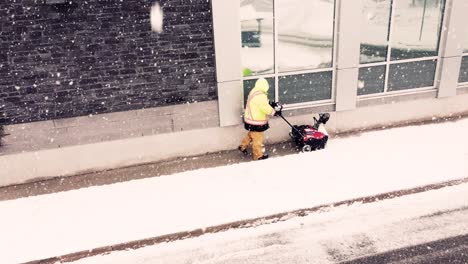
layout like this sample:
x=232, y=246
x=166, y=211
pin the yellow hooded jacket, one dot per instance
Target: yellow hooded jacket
x=257, y=108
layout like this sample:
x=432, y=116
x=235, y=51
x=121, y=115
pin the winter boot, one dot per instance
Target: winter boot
x=244, y=151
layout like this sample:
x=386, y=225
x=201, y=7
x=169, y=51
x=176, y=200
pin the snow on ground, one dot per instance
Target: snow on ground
x=375, y=162
x=382, y=226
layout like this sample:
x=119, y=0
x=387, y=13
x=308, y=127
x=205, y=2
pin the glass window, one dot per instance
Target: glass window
x=257, y=37
x=409, y=30
x=374, y=31
x=288, y=36
x=249, y=84
x=305, y=34
x=464, y=70
x=416, y=28
x=305, y=87
x=371, y=80
x=411, y=75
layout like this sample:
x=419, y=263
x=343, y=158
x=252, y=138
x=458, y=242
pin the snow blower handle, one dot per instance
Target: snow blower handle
x=280, y=114
x=278, y=108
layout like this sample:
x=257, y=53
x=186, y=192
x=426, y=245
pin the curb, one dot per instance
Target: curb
x=247, y=223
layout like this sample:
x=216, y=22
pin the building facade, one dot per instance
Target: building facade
x=76, y=58
x=80, y=75
x=344, y=53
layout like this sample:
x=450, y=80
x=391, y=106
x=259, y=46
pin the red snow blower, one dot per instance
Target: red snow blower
x=309, y=137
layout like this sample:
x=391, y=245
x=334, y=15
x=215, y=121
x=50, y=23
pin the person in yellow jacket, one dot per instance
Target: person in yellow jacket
x=257, y=111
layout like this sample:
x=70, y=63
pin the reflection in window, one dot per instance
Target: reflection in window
x=409, y=30
x=464, y=71
x=371, y=80
x=305, y=87
x=411, y=75
x=257, y=37
x=305, y=34
x=249, y=84
x=416, y=28
x=374, y=32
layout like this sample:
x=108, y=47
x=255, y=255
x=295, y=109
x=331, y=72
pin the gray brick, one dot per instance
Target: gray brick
x=106, y=64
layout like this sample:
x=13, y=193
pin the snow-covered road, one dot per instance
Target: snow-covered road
x=333, y=236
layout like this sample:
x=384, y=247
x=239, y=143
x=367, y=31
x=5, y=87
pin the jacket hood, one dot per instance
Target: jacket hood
x=262, y=85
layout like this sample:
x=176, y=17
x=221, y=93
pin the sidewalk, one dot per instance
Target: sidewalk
x=54, y=224
x=156, y=169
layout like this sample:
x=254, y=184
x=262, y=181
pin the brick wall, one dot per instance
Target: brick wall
x=99, y=56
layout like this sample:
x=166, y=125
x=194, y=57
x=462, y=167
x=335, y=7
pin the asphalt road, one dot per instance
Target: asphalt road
x=453, y=250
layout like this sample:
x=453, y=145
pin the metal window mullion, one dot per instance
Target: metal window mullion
x=389, y=48
x=396, y=93
x=317, y=103
x=275, y=49
x=410, y=91
x=414, y=60
x=304, y=72
x=442, y=23
x=372, y=64
x=254, y=77
x=387, y=73
x=336, y=17
x=437, y=73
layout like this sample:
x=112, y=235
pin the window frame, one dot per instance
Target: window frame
x=276, y=74
x=389, y=62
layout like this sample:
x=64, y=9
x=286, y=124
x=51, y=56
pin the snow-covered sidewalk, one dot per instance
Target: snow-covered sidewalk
x=375, y=162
